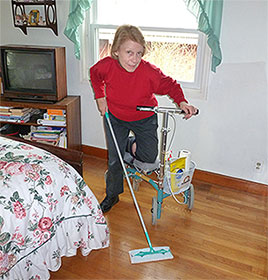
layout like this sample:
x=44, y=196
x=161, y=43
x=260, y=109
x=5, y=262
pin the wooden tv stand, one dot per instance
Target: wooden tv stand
x=71, y=104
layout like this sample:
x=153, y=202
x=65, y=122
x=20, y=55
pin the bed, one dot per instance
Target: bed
x=46, y=212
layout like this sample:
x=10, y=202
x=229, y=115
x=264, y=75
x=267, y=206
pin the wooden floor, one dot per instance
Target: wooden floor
x=223, y=237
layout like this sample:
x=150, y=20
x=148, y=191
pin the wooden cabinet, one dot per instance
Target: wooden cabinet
x=71, y=104
x=35, y=13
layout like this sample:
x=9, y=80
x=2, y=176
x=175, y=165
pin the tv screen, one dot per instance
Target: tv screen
x=32, y=71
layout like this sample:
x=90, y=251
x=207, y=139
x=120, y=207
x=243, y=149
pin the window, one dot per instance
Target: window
x=170, y=30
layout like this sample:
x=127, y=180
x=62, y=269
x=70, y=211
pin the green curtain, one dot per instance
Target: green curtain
x=75, y=19
x=207, y=12
x=209, y=15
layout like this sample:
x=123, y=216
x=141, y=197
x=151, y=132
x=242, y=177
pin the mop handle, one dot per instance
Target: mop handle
x=128, y=181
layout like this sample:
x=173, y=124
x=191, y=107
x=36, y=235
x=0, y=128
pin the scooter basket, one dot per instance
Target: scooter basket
x=178, y=182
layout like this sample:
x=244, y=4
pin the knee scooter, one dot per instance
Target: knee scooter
x=164, y=178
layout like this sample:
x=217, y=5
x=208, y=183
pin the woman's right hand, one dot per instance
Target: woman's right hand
x=102, y=105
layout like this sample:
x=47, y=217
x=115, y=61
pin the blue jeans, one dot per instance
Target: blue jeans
x=145, y=132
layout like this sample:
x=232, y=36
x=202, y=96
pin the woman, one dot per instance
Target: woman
x=122, y=82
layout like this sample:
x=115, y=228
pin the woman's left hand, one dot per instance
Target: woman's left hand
x=189, y=110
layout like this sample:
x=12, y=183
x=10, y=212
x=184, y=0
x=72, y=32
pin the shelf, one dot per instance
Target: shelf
x=29, y=123
x=33, y=3
x=71, y=104
x=26, y=17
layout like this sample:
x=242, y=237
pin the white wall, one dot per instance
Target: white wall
x=231, y=133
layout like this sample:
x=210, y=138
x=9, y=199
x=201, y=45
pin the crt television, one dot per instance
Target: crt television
x=33, y=73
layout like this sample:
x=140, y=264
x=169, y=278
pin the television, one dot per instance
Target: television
x=33, y=73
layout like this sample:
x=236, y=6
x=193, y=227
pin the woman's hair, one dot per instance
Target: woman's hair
x=124, y=33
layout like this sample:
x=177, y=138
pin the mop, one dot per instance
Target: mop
x=145, y=254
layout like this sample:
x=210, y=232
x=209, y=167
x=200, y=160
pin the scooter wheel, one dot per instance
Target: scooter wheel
x=190, y=197
x=136, y=184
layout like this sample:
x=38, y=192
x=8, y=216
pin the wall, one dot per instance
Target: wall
x=231, y=133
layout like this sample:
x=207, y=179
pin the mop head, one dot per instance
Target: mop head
x=150, y=254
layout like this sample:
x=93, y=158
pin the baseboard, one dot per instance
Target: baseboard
x=96, y=152
x=231, y=182
x=200, y=175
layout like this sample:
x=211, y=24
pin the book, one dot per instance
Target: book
x=45, y=135
x=14, y=120
x=47, y=116
x=59, y=139
x=63, y=140
x=19, y=109
x=58, y=112
x=50, y=142
x=51, y=123
x=14, y=117
x=5, y=108
x=18, y=112
x=5, y=113
x=47, y=129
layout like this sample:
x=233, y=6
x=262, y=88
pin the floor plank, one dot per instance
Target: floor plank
x=223, y=237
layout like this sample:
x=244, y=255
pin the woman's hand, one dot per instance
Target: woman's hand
x=102, y=105
x=189, y=110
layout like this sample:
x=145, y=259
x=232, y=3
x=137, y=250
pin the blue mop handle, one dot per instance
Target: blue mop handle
x=128, y=181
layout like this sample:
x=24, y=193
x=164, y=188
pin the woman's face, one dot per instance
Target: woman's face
x=129, y=55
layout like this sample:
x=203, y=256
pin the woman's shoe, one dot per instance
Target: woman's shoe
x=108, y=203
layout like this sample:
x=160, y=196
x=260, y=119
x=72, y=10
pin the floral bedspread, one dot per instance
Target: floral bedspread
x=46, y=212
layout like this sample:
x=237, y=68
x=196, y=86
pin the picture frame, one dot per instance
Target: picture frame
x=34, y=17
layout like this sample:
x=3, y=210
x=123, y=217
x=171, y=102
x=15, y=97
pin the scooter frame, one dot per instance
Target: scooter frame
x=138, y=175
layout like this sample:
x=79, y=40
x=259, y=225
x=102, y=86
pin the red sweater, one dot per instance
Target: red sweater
x=124, y=90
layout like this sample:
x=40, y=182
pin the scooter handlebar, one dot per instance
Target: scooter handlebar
x=161, y=109
x=146, y=108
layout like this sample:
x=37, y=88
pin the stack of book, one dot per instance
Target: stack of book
x=16, y=115
x=53, y=117
x=4, y=111
x=49, y=135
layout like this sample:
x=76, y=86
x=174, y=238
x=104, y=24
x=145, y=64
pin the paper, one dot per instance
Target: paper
x=186, y=154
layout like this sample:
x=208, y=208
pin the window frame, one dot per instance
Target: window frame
x=90, y=39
